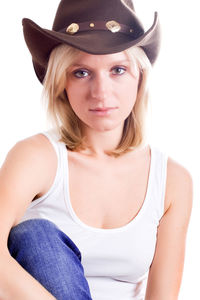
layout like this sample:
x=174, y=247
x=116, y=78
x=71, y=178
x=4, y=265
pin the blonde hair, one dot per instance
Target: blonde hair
x=61, y=114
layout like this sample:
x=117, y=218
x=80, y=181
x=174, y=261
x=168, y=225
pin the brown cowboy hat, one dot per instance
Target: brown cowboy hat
x=93, y=26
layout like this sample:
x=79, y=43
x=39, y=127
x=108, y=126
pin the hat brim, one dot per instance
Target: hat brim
x=42, y=41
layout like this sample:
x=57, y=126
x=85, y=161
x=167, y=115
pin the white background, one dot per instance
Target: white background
x=173, y=125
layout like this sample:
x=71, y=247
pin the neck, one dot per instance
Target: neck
x=100, y=142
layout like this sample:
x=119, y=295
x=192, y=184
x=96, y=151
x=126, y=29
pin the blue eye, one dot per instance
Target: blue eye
x=118, y=70
x=81, y=73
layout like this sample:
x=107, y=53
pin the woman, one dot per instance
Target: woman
x=88, y=209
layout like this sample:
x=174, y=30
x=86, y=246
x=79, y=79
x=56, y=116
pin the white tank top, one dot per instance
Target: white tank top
x=116, y=261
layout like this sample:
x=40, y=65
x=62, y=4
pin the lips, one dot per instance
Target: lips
x=103, y=109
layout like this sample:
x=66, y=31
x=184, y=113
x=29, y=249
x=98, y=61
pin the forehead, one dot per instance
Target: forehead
x=92, y=59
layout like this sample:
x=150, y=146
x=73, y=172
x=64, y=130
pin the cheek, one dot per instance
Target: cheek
x=75, y=90
x=76, y=100
x=70, y=100
x=73, y=94
x=129, y=93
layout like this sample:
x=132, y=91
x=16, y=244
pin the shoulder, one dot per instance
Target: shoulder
x=39, y=141
x=177, y=173
x=41, y=150
x=179, y=186
x=36, y=144
x=34, y=155
x=28, y=171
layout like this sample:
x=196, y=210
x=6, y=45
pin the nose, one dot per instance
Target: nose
x=100, y=87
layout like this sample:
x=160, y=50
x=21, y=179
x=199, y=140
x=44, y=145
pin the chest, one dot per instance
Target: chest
x=108, y=195
x=125, y=256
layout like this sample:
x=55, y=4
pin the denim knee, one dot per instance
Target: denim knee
x=51, y=257
x=36, y=233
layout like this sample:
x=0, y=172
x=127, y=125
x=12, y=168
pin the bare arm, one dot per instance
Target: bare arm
x=167, y=267
x=22, y=177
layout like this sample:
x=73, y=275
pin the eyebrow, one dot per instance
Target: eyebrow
x=110, y=64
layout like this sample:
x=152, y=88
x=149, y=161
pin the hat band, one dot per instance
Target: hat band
x=112, y=26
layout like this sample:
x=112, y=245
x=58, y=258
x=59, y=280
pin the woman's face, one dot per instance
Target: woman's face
x=102, y=89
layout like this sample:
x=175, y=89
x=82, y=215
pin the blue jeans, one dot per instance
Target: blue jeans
x=51, y=257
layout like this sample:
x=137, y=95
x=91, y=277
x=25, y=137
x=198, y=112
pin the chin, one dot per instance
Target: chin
x=107, y=127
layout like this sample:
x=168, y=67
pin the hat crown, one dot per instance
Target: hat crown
x=77, y=11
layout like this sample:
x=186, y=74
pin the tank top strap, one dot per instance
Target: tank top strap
x=53, y=137
x=55, y=192
x=59, y=147
x=159, y=177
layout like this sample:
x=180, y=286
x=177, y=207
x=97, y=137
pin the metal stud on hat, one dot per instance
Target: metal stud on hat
x=72, y=28
x=113, y=26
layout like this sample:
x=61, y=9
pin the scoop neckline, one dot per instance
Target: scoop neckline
x=106, y=230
